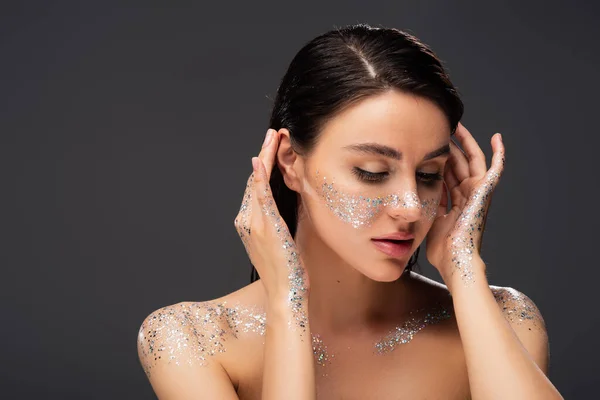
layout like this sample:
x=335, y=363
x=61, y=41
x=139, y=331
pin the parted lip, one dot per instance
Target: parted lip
x=396, y=236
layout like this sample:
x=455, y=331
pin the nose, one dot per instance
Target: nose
x=405, y=205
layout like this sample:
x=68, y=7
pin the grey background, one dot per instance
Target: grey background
x=126, y=138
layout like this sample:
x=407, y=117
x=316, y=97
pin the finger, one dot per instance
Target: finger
x=453, y=185
x=479, y=203
x=262, y=188
x=450, y=178
x=267, y=205
x=498, y=159
x=242, y=220
x=458, y=161
x=269, y=150
x=443, y=206
x=475, y=156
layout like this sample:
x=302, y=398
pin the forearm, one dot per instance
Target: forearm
x=288, y=356
x=499, y=366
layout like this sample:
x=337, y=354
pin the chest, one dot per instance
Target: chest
x=429, y=367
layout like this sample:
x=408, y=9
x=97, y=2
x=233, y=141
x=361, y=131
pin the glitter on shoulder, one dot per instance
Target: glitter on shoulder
x=517, y=307
x=188, y=333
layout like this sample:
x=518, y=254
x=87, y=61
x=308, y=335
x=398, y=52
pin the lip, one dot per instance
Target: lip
x=396, y=250
x=396, y=236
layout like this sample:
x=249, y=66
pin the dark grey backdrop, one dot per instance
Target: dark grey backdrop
x=126, y=138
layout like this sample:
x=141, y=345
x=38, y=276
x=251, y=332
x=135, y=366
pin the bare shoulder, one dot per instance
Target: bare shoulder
x=184, y=347
x=170, y=334
x=197, y=333
x=518, y=308
x=526, y=321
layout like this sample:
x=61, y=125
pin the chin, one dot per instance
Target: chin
x=388, y=272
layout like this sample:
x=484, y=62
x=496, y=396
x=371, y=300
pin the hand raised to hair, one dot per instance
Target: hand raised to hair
x=265, y=234
x=455, y=237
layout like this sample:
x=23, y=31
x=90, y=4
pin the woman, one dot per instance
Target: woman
x=361, y=139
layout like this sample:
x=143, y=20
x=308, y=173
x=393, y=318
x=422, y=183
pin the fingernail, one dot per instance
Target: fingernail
x=255, y=163
x=268, y=138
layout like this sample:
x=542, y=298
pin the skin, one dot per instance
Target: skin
x=352, y=295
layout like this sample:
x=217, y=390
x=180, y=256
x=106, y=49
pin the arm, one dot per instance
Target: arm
x=288, y=357
x=501, y=364
x=173, y=348
x=289, y=361
x=527, y=322
x=177, y=371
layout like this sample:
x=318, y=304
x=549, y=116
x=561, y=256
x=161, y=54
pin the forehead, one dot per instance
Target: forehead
x=394, y=118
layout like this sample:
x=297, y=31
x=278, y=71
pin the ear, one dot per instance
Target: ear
x=289, y=162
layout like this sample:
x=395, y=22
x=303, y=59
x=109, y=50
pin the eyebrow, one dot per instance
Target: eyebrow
x=390, y=152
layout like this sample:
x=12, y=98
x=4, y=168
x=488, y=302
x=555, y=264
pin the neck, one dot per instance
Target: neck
x=341, y=298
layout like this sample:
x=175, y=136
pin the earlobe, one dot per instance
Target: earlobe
x=288, y=160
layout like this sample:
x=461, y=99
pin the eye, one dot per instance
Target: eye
x=429, y=179
x=367, y=176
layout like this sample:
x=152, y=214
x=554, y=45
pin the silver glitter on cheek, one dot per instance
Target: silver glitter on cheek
x=518, y=308
x=361, y=211
x=430, y=208
x=358, y=211
x=403, y=334
x=188, y=333
x=469, y=228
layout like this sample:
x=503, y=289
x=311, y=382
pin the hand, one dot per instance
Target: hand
x=455, y=237
x=265, y=235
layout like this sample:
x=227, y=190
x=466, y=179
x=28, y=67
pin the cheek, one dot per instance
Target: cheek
x=354, y=209
x=333, y=221
x=429, y=204
x=361, y=209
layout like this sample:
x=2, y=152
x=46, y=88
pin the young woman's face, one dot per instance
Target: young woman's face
x=377, y=169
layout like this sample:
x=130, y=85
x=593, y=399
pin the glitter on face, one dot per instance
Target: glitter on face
x=403, y=334
x=360, y=211
x=188, y=333
x=517, y=307
x=298, y=291
x=430, y=208
x=469, y=226
x=407, y=200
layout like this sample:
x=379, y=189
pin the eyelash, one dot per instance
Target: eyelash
x=375, y=177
